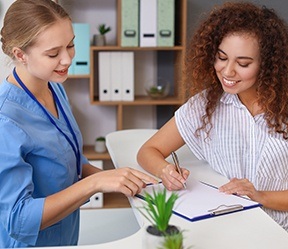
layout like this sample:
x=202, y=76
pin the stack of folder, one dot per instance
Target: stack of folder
x=147, y=23
x=116, y=76
x=81, y=61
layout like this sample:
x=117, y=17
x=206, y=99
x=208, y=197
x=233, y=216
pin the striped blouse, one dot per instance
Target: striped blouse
x=239, y=145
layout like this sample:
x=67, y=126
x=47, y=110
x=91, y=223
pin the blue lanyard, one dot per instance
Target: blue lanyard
x=75, y=149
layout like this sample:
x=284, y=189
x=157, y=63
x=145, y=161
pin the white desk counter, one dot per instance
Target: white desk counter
x=248, y=229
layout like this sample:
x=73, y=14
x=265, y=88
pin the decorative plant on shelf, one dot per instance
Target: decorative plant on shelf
x=101, y=139
x=159, y=208
x=103, y=29
x=99, y=39
x=100, y=146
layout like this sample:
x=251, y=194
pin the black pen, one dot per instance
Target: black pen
x=176, y=162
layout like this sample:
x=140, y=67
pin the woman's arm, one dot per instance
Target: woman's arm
x=125, y=180
x=153, y=152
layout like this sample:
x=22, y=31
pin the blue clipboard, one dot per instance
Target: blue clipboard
x=202, y=201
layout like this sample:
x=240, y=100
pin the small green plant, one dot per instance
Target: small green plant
x=100, y=139
x=103, y=29
x=159, y=210
x=173, y=241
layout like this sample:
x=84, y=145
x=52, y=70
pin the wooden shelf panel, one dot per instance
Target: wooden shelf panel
x=142, y=100
x=79, y=76
x=115, y=200
x=91, y=154
x=118, y=48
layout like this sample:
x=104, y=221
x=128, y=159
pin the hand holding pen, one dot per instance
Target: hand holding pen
x=178, y=169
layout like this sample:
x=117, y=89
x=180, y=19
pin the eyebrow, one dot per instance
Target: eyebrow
x=55, y=48
x=239, y=57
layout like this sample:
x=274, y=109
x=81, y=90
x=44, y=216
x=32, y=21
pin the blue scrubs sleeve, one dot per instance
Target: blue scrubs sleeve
x=20, y=212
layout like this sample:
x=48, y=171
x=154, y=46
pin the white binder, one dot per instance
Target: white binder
x=116, y=76
x=104, y=76
x=127, y=76
x=96, y=200
x=148, y=23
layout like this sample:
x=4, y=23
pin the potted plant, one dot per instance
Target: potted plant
x=100, y=145
x=99, y=39
x=173, y=241
x=159, y=208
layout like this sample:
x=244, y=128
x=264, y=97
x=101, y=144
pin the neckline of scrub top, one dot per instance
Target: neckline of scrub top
x=74, y=148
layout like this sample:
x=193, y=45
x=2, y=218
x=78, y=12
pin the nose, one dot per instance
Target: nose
x=67, y=57
x=229, y=69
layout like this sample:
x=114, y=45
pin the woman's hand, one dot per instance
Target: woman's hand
x=125, y=180
x=171, y=179
x=241, y=187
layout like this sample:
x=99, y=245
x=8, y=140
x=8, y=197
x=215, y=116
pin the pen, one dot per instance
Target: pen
x=176, y=162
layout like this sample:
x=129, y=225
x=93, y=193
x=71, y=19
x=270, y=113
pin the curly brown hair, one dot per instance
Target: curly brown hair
x=272, y=34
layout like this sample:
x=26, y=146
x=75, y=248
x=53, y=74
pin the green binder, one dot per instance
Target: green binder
x=165, y=23
x=130, y=23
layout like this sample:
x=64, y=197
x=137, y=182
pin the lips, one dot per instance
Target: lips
x=230, y=82
x=62, y=72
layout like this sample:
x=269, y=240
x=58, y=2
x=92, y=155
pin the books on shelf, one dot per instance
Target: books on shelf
x=130, y=23
x=116, y=76
x=96, y=200
x=81, y=62
x=147, y=23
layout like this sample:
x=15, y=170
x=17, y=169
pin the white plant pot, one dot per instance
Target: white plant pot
x=151, y=240
x=100, y=146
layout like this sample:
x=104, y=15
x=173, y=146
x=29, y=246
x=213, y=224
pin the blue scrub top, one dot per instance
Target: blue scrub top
x=36, y=161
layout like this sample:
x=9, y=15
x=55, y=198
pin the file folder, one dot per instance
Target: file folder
x=148, y=23
x=201, y=201
x=96, y=200
x=116, y=76
x=165, y=23
x=81, y=61
x=130, y=23
x=127, y=76
x=104, y=80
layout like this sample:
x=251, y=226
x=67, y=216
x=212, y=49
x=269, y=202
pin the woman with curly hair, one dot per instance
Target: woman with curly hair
x=237, y=117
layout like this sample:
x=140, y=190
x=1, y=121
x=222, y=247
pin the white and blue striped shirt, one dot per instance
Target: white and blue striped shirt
x=239, y=145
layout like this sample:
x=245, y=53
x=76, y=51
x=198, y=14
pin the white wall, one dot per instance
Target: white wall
x=5, y=62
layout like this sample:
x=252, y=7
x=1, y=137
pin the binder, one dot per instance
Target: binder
x=116, y=76
x=81, y=61
x=130, y=23
x=104, y=76
x=148, y=23
x=96, y=200
x=127, y=76
x=165, y=23
x=202, y=201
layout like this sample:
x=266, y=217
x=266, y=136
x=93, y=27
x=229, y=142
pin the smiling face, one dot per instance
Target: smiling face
x=237, y=64
x=50, y=57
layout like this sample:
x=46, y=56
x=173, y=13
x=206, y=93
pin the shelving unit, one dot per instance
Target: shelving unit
x=176, y=98
x=91, y=154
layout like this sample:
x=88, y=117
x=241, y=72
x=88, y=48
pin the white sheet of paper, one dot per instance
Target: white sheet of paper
x=197, y=201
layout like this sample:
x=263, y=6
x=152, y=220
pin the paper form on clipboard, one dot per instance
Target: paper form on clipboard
x=201, y=201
